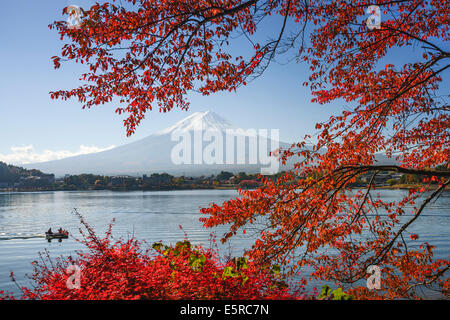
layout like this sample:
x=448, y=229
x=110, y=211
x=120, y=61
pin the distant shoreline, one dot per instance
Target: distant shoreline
x=123, y=190
x=223, y=187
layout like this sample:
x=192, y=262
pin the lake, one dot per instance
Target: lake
x=150, y=216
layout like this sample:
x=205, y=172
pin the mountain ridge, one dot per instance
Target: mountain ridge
x=150, y=154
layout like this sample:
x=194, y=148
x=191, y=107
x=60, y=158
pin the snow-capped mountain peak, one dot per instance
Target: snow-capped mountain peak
x=155, y=153
x=207, y=120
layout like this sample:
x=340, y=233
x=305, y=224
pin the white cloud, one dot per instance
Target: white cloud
x=27, y=154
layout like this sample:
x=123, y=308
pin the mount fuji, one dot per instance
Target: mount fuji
x=153, y=154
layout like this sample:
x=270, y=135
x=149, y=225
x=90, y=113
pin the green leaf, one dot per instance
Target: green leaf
x=325, y=292
x=228, y=272
x=337, y=294
x=157, y=246
x=244, y=279
x=276, y=269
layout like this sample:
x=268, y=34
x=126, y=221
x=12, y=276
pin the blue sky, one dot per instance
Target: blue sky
x=29, y=118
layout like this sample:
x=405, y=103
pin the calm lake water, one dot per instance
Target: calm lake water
x=150, y=216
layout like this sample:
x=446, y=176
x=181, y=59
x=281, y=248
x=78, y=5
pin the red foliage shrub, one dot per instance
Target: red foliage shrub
x=122, y=269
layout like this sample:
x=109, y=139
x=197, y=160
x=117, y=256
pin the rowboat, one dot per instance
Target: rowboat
x=56, y=235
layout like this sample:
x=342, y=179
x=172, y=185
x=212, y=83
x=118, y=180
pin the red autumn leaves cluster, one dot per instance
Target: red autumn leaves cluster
x=126, y=270
x=172, y=48
x=393, y=101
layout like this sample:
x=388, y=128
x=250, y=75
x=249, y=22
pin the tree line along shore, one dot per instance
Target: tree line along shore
x=13, y=178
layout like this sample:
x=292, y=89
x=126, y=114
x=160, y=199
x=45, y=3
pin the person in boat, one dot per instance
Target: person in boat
x=50, y=231
x=62, y=231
